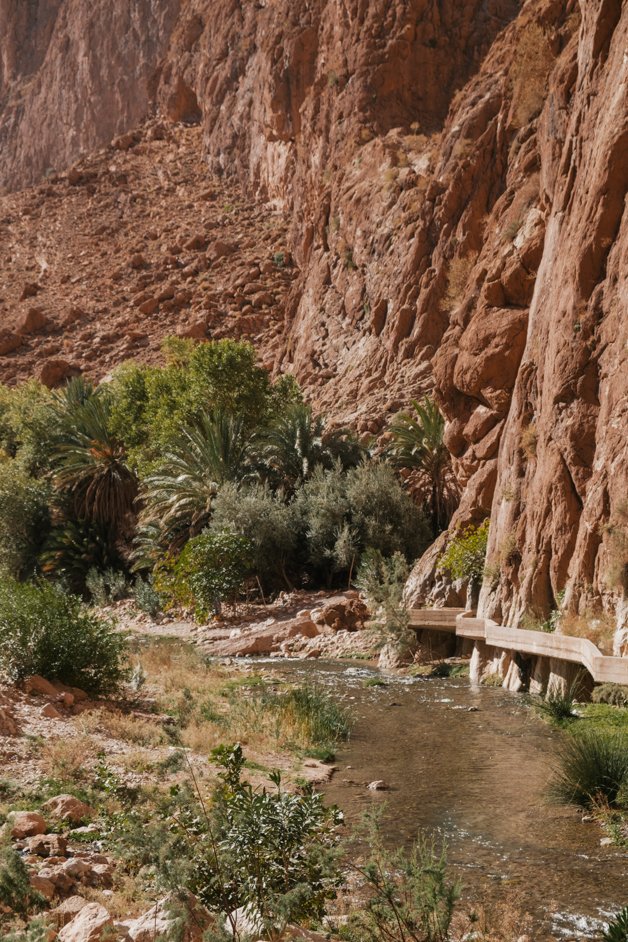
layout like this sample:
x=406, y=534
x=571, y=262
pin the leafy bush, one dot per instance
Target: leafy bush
x=592, y=767
x=105, y=587
x=615, y=694
x=270, y=853
x=465, y=555
x=210, y=570
x=46, y=631
x=146, y=597
x=346, y=513
x=16, y=893
x=382, y=582
x=411, y=897
x=272, y=526
x=28, y=429
x=617, y=930
x=24, y=519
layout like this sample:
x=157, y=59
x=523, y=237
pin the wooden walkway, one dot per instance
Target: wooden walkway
x=603, y=669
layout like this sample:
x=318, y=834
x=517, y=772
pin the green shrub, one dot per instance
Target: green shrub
x=28, y=426
x=617, y=930
x=45, y=631
x=16, y=893
x=272, y=526
x=592, y=767
x=106, y=587
x=38, y=930
x=465, y=555
x=271, y=852
x=346, y=513
x=382, y=582
x=24, y=519
x=411, y=896
x=74, y=547
x=210, y=570
x=146, y=597
x=614, y=694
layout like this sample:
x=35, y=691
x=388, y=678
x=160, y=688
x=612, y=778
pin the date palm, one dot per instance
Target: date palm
x=178, y=495
x=299, y=442
x=417, y=444
x=89, y=463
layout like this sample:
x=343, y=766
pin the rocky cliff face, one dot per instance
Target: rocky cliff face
x=453, y=175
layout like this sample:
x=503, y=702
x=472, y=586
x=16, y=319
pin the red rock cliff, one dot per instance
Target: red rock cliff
x=455, y=176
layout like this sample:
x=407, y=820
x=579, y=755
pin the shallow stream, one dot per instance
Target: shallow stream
x=472, y=765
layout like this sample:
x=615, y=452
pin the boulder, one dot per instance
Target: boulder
x=88, y=925
x=67, y=910
x=165, y=914
x=50, y=711
x=68, y=808
x=26, y=824
x=42, y=885
x=8, y=723
x=34, y=320
x=10, y=341
x=55, y=371
x=39, y=685
x=47, y=845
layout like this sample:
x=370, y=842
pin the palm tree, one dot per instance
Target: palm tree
x=178, y=495
x=299, y=442
x=89, y=464
x=417, y=444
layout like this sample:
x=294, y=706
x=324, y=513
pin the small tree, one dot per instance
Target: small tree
x=212, y=567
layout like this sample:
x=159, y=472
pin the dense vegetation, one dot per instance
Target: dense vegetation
x=204, y=477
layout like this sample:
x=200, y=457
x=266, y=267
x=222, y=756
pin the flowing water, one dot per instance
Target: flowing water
x=472, y=765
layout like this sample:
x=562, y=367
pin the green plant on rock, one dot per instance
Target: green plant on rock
x=46, y=631
x=465, y=555
x=16, y=894
x=411, y=899
x=417, y=443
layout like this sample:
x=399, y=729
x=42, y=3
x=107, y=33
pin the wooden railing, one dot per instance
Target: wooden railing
x=603, y=669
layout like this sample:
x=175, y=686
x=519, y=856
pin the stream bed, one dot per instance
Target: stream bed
x=472, y=766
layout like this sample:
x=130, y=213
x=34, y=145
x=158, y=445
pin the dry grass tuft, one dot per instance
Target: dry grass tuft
x=529, y=73
x=124, y=726
x=529, y=439
x=68, y=759
x=598, y=627
x=458, y=274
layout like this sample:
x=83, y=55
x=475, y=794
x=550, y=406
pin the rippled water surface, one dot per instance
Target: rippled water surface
x=473, y=765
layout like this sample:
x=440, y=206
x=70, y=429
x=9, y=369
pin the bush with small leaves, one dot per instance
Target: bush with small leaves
x=210, y=570
x=46, y=631
x=382, y=582
x=466, y=553
x=411, y=899
x=272, y=853
x=24, y=518
x=615, y=694
x=16, y=894
x=146, y=596
x=106, y=587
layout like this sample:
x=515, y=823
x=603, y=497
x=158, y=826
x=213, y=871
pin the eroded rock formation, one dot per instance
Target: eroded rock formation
x=453, y=175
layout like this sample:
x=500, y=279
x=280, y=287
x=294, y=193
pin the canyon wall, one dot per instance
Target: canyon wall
x=454, y=176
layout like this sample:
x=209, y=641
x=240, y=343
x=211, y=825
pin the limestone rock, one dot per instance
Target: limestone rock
x=88, y=925
x=26, y=824
x=160, y=919
x=68, y=808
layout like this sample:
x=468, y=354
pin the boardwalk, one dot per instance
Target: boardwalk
x=603, y=669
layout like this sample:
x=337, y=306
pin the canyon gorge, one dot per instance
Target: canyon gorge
x=388, y=197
